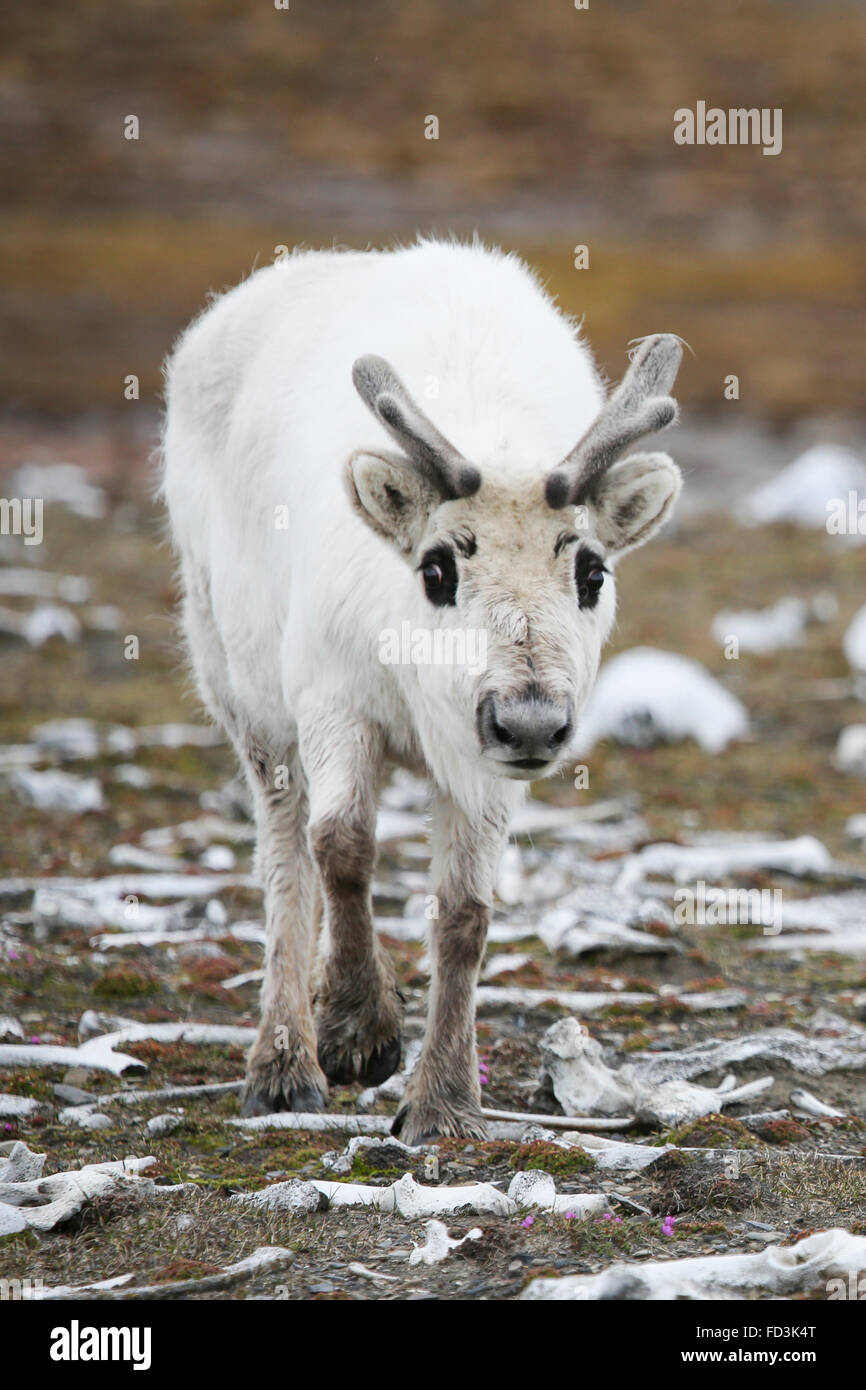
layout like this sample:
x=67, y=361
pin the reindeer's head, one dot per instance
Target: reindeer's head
x=530, y=566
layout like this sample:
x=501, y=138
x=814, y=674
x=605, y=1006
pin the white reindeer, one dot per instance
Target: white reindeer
x=315, y=506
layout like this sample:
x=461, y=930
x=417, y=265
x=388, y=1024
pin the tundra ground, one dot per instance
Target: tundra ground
x=781, y=783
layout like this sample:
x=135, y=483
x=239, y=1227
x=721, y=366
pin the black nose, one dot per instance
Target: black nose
x=530, y=729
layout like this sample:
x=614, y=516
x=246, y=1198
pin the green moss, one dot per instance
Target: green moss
x=712, y=1132
x=784, y=1132
x=124, y=982
x=550, y=1158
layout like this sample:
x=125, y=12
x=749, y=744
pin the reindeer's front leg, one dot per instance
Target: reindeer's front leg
x=358, y=1010
x=444, y=1093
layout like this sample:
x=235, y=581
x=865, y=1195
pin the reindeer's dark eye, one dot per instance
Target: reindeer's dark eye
x=589, y=572
x=439, y=573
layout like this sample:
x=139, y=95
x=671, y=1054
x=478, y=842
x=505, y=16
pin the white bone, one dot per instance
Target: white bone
x=782, y=1271
x=439, y=1244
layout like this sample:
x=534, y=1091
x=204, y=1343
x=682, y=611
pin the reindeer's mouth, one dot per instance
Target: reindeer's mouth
x=523, y=769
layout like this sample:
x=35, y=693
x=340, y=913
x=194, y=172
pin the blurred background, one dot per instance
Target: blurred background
x=261, y=127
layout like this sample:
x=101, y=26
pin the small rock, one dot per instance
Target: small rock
x=163, y=1124
x=73, y=1095
x=10, y=1030
x=850, y=754
x=293, y=1196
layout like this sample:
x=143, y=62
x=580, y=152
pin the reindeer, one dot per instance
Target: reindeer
x=314, y=504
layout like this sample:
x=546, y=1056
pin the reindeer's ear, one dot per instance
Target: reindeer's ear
x=634, y=498
x=393, y=499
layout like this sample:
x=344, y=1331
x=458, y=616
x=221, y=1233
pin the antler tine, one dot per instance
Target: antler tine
x=433, y=456
x=638, y=406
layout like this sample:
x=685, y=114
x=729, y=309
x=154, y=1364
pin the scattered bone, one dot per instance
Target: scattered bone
x=316, y=1122
x=352, y=1194
x=64, y=483
x=776, y=1270
x=241, y=931
x=508, y=997
x=765, y=630
x=688, y=863
x=58, y=791
x=73, y=1113
x=812, y=1056
x=18, y=1163
x=218, y=858
x=43, y=1203
x=506, y=963
x=262, y=1260
x=596, y=1122
x=247, y=977
x=568, y=931
x=17, y=582
x=514, y=884
x=540, y=818
x=614, y=1154
x=855, y=827
x=413, y=1200
x=850, y=754
x=179, y=736
x=803, y=491
x=387, y=1153
x=364, y=1273
x=126, y=856
x=163, y=1124
x=130, y=775
x=537, y=1189
x=512, y=997
x=644, y=696
x=574, y=1069
x=854, y=641
x=103, y=617
x=14, y=1107
x=49, y=620
x=804, y=1100
x=294, y=1196
x=115, y=900
x=439, y=1244
x=10, y=1029
x=826, y=912
x=99, y=1052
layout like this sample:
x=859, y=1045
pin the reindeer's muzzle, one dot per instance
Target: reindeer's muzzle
x=524, y=733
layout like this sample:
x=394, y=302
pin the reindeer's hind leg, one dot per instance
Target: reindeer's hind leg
x=282, y=1070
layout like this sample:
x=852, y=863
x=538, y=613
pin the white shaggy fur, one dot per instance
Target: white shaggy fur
x=278, y=480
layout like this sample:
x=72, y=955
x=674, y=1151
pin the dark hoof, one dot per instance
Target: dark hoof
x=382, y=1062
x=428, y=1137
x=340, y=1069
x=337, y=1067
x=302, y=1100
x=307, y=1100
